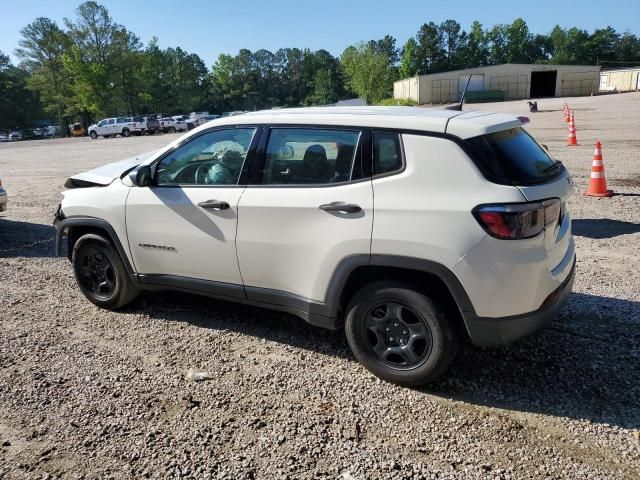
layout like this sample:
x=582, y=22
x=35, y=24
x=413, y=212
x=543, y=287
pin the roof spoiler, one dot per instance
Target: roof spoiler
x=458, y=106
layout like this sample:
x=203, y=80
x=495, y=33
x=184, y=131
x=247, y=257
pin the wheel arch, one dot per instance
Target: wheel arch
x=426, y=276
x=75, y=227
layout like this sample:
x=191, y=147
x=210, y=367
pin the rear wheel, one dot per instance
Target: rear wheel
x=399, y=334
x=100, y=273
x=172, y=130
x=93, y=134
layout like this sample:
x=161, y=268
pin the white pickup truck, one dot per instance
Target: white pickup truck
x=110, y=127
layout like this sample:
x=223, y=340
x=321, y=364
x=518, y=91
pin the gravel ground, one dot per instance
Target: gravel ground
x=86, y=393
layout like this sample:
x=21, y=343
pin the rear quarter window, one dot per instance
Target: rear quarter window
x=513, y=157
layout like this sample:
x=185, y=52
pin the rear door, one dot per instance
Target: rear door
x=310, y=207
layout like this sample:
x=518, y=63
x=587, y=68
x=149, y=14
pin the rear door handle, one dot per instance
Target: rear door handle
x=340, y=207
x=214, y=205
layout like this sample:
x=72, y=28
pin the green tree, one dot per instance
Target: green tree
x=628, y=49
x=569, y=46
x=475, y=51
x=430, y=47
x=42, y=48
x=453, y=38
x=497, y=39
x=603, y=45
x=368, y=72
x=410, y=60
x=19, y=105
x=102, y=53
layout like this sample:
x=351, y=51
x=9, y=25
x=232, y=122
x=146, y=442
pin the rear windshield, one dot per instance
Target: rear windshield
x=513, y=157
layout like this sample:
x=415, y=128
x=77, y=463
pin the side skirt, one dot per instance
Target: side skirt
x=278, y=300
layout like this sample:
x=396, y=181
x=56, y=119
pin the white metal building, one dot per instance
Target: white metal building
x=620, y=80
x=516, y=81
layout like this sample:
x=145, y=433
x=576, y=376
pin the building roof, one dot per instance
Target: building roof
x=531, y=66
x=463, y=124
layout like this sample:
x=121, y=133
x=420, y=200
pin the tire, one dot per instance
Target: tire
x=172, y=129
x=93, y=134
x=399, y=334
x=125, y=132
x=100, y=273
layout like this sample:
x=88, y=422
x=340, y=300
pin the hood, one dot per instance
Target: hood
x=107, y=173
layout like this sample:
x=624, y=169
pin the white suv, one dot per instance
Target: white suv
x=409, y=227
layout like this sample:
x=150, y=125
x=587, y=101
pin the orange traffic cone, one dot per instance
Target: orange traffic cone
x=598, y=183
x=572, y=140
x=566, y=113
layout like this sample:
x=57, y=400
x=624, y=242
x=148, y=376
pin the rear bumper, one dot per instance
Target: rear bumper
x=487, y=332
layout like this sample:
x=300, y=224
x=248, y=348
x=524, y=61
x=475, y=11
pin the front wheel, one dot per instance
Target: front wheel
x=172, y=130
x=125, y=132
x=93, y=134
x=100, y=273
x=399, y=334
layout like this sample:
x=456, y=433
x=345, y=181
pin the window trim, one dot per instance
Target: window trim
x=390, y=173
x=257, y=169
x=247, y=161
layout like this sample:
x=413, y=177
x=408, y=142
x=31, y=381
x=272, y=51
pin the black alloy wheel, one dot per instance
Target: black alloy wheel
x=397, y=335
x=96, y=274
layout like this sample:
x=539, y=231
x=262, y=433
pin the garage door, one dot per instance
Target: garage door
x=475, y=84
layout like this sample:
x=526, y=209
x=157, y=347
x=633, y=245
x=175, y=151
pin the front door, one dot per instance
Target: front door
x=185, y=224
x=311, y=209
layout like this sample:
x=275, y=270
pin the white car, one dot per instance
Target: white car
x=110, y=127
x=172, y=125
x=186, y=119
x=408, y=227
x=198, y=118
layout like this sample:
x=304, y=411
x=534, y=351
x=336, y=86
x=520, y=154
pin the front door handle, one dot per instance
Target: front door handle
x=214, y=205
x=340, y=207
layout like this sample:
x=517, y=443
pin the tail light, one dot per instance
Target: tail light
x=514, y=221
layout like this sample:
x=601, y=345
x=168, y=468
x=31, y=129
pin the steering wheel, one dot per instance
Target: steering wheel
x=201, y=175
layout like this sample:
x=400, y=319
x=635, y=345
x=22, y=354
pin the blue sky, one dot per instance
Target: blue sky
x=209, y=28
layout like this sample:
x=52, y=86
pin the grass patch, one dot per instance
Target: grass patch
x=397, y=102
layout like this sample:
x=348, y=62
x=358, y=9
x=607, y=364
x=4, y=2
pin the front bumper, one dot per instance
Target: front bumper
x=487, y=332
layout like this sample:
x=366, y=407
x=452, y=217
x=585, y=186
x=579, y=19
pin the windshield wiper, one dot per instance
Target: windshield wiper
x=553, y=166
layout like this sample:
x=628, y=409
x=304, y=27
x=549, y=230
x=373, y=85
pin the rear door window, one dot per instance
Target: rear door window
x=513, y=157
x=309, y=156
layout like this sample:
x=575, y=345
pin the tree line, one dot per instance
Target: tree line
x=91, y=67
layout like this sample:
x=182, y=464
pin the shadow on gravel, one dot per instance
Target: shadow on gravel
x=24, y=239
x=600, y=228
x=257, y=322
x=582, y=366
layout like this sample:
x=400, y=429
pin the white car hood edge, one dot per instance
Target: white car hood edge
x=106, y=174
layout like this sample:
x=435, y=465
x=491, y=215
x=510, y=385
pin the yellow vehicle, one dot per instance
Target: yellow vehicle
x=77, y=130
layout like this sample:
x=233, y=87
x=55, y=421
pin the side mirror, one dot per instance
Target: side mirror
x=141, y=176
x=545, y=147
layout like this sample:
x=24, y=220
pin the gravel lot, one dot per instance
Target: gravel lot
x=86, y=393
